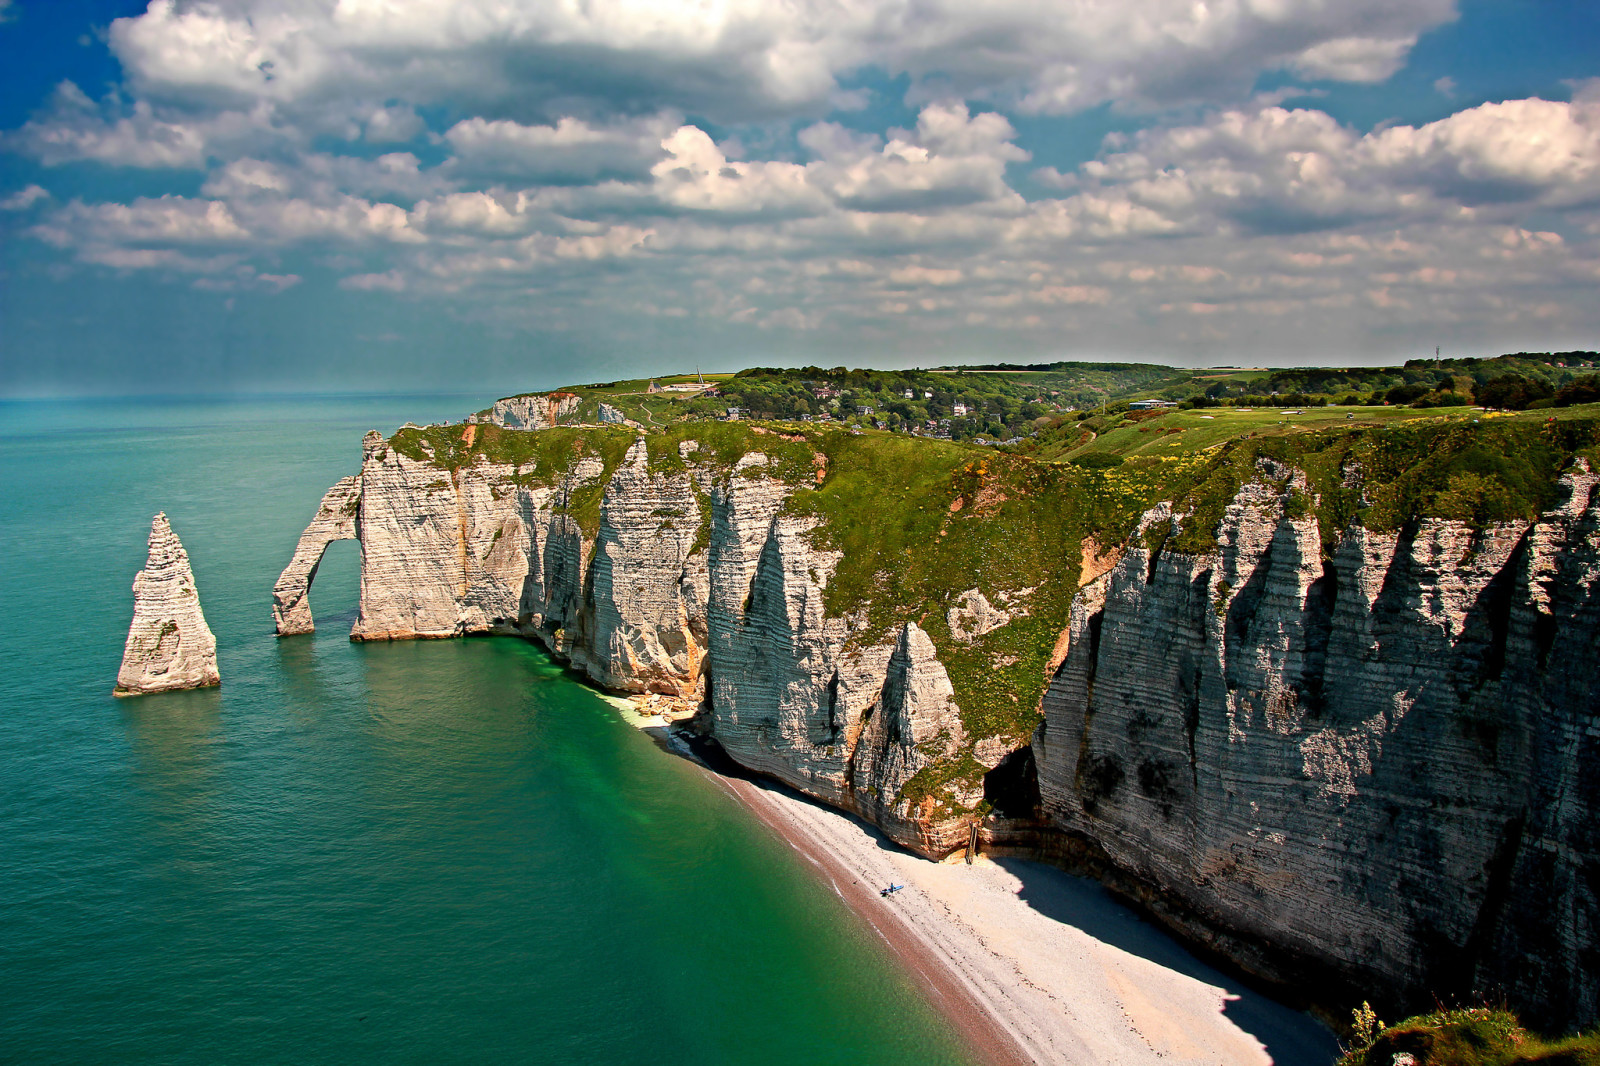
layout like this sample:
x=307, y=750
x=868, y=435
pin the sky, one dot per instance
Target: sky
x=401, y=195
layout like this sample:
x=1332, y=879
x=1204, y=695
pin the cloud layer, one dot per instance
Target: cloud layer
x=597, y=156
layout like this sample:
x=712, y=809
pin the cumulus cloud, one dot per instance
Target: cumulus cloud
x=73, y=128
x=951, y=158
x=1358, y=59
x=1277, y=170
x=604, y=156
x=569, y=150
x=745, y=59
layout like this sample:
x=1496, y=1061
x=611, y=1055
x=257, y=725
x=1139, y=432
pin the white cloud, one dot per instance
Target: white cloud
x=1274, y=170
x=742, y=59
x=23, y=199
x=697, y=176
x=1183, y=235
x=1358, y=59
x=74, y=128
x=568, y=150
x=951, y=158
x=392, y=125
x=1516, y=149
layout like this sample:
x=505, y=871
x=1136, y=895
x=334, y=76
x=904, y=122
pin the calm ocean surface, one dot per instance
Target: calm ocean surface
x=423, y=852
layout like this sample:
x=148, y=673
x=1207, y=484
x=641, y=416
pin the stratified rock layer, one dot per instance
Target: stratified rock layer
x=1378, y=769
x=169, y=644
x=335, y=520
x=533, y=412
x=1382, y=769
x=694, y=585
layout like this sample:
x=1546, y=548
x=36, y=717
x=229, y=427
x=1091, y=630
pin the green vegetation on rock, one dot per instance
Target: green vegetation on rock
x=1477, y=1036
x=918, y=522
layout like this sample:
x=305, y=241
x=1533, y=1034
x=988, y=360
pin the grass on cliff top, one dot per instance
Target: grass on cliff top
x=1388, y=476
x=921, y=521
x=1468, y=1037
x=538, y=457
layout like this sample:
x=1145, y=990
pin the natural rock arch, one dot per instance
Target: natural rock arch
x=335, y=520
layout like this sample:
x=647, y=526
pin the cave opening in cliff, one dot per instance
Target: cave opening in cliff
x=1012, y=787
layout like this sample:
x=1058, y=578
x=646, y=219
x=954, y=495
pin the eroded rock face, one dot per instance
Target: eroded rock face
x=335, y=520
x=1384, y=768
x=695, y=585
x=169, y=644
x=535, y=412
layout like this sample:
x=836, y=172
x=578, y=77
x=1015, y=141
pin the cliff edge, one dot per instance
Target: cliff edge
x=1375, y=769
x=1330, y=710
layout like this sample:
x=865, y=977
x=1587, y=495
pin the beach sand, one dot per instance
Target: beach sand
x=1032, y=964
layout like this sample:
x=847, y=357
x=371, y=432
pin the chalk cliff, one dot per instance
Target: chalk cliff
x=169, y=644
x=1367, y=762
x=1380, y=768
x=532, y=412
x=692, y=581
x=335, y=520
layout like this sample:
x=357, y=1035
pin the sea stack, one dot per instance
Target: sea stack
x=169, y=644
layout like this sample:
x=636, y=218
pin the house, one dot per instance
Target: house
x=863, y=408
x=734, y=413
x=1150, y=405
x=927, y=395
x=909, y=394
x=960, y=410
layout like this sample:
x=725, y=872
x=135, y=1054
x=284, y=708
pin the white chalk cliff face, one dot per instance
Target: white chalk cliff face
x=1379, y=768
x=695, y=584
x=335, y=520
x=1382, y=768
x=533, y=412
x=169, y=644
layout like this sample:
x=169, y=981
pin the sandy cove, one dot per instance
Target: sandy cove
x=1032, y=964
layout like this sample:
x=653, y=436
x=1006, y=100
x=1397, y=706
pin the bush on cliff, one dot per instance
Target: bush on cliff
x=1476, y=1036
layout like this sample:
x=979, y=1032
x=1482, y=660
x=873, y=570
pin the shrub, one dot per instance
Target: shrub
x=1584, y=390
x=1513, y=392
x=1096, y=461
x=1402, y=394
x=1474, y=1036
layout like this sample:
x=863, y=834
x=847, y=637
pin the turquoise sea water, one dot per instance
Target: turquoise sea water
x=424, y=852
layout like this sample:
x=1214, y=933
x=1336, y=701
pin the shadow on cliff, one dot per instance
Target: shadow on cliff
x=1086, y=905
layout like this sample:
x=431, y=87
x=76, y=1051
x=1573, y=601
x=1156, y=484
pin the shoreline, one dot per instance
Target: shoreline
x=985, y=1037
x=1029, y=964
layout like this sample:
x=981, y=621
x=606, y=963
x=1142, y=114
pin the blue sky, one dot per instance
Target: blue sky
x=497, y=195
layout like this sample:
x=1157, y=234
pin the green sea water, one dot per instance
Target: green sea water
x=426, y=852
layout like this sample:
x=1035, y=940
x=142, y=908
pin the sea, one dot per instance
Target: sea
x=421, y=852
